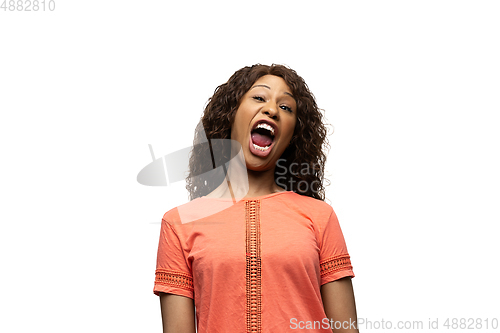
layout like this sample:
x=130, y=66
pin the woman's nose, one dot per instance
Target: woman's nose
x=271, y=110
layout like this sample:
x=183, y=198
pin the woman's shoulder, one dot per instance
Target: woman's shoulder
x=181, y=214
x=197, y=210
x=310, y=202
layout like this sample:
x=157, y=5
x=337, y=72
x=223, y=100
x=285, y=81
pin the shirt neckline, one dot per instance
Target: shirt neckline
x=260, y=197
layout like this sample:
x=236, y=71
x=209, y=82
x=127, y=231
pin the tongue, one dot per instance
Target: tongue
x=261, y=139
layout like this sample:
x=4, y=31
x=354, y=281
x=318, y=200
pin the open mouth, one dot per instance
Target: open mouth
x=262, y=137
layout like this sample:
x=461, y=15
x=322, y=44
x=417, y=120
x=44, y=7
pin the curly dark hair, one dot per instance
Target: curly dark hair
x=305, y=152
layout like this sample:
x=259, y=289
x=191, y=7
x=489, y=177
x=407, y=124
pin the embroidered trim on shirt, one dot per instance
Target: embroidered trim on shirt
x=253, y=267
x=335, y=264
x=174, y=279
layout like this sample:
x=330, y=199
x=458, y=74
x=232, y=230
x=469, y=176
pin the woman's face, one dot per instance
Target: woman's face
x=264, y=122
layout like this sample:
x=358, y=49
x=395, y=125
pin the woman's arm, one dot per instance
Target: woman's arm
x=339, y=304
x=177, y=313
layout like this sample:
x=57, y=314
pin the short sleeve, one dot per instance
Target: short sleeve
x=172, y=274
x=334, y=260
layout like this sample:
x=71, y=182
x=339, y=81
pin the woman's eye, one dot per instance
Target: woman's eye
x=259, y=98
x=289, y=109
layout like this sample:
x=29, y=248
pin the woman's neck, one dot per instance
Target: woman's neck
x=242, y=183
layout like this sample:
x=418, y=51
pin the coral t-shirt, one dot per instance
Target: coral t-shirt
x=254, y=265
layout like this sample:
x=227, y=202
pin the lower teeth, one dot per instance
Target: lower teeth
x=260, y=148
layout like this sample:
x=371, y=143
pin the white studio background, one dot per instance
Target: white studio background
x=411, y=87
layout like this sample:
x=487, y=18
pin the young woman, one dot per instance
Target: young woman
x=256, y=249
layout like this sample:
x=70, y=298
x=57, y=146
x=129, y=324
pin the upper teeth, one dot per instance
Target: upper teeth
x=266, y=126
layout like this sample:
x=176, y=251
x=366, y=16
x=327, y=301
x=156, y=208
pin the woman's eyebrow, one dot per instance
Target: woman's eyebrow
x=263, y=85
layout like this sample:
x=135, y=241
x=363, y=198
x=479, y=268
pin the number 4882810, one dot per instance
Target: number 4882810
x=471, y=323
x=28, y=5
